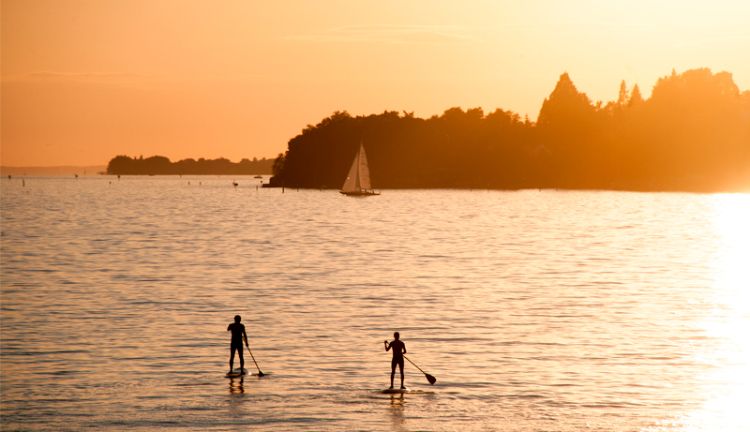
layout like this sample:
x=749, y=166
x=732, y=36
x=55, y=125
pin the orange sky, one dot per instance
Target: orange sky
x=85, y=80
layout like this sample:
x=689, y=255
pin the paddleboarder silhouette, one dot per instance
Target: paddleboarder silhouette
x=238, y=334
x=399, y=349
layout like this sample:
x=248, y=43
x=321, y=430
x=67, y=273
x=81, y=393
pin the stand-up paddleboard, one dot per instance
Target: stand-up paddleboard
x=395, y=391
x=236, y=373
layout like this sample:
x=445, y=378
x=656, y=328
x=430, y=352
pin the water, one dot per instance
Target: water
x=535, y=310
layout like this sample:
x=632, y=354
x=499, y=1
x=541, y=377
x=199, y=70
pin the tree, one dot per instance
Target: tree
x=635, y=97
x=622, y=98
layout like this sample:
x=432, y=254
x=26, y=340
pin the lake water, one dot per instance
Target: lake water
x=535, y=310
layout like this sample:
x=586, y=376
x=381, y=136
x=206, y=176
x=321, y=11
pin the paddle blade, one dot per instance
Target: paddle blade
x=430, y=378
x=260, y=374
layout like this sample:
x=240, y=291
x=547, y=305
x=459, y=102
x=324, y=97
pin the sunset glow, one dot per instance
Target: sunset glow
x=85, y=81
x=371, y=215
x=727, y=379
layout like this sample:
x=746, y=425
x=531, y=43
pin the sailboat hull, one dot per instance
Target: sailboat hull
x=360, y=193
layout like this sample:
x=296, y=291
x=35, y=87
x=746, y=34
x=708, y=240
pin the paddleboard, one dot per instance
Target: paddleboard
x=395, y=391
x=236, y=373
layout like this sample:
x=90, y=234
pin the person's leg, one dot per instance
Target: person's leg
x=242, y=359
x=393, y=370
x=401, y=369
x=231, y=358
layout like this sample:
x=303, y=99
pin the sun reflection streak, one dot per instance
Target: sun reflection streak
x=727, y=384
x=732, y=225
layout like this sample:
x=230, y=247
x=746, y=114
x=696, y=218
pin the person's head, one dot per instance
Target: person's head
x=237, y=318
x=396, y=335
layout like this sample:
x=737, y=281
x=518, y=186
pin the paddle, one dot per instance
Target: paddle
x=429, y=377
x=260, y=373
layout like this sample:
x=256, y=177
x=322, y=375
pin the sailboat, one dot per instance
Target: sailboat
x=357, y=182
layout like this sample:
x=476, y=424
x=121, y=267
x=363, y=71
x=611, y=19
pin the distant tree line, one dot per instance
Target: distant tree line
x=692, y=134
x=160, y=165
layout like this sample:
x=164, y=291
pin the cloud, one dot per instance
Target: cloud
x=394, y=34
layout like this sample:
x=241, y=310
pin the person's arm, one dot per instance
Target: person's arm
x=404, y=345
x=387, y=345
x=229, y=327
x=244, y=335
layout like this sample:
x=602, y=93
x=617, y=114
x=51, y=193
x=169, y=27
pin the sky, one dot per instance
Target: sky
x=86, y=80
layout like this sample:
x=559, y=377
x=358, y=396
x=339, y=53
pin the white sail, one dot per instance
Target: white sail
x=364, y=170
x=351, y=184
x=358, y=180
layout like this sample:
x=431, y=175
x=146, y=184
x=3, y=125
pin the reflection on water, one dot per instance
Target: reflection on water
x=397, y=411
x=536, y=310
x=237, y=385
x=727, y=385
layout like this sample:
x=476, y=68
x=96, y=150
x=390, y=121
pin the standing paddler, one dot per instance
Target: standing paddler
x=399, y=349
x=238, y=334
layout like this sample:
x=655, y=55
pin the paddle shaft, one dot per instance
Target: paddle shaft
x=256, y=363
x=420, y=369
x=431, y=379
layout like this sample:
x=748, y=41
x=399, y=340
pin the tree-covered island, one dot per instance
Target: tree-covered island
x=692, y=134
x=160, y=165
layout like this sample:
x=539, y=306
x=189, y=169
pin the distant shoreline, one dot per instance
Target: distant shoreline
x=96, y=170
x=87, y=170
x=160, y=165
